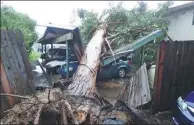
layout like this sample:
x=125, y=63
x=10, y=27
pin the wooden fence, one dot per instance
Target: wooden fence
x=174, y=74
x=16, y=72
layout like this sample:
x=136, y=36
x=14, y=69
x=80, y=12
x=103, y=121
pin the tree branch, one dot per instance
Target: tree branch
x=12, y=95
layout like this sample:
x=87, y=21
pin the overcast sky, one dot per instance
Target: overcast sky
x=60, y=12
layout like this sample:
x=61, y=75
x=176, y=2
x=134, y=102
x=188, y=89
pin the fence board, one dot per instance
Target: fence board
x=177, y=76
x=16, y=72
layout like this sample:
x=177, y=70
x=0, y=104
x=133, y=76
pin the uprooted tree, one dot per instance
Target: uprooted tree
x=79, y=104
x=125, y=26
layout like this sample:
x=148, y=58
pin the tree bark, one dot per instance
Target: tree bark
x=84, y=79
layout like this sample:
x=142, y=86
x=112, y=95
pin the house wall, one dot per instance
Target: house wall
x=181, y=27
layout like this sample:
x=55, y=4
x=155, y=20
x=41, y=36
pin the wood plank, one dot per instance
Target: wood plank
x=27, y=64
x=18, y=56
x=14, y=69
x=5, y=56
x=159, y=76
x=6, y=86
x=20, y=76
x=63, y=38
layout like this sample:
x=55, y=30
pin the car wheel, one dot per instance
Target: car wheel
x=55, y=69
x=122, y=73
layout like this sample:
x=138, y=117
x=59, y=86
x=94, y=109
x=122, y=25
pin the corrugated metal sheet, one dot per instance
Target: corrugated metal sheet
x=131, y=47
x=137, y=92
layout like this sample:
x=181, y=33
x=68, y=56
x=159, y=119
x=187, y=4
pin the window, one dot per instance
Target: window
x=193, y=19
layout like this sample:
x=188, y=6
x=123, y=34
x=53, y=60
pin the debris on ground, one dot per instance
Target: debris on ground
x=161, y=118
x=137, y=92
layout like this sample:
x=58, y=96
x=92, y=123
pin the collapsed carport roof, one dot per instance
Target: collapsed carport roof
x=118, y=53
x=53, y=32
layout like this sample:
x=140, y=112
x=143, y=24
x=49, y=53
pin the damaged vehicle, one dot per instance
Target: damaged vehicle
x=184, y=111
x=119, y=68
x=59, y=59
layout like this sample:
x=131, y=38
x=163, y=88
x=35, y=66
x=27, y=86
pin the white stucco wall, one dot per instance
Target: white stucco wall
x=180, y=27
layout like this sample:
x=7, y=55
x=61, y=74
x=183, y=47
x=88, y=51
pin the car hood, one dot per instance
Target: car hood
x=55, y=63
x=190, y=99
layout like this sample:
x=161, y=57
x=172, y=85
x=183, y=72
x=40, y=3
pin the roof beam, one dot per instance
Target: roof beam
x=66, y=37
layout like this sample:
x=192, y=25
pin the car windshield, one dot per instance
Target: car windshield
x=52, y=51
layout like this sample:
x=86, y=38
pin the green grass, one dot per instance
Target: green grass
x=34, y=56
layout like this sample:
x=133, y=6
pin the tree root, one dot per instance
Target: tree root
x=36, y=120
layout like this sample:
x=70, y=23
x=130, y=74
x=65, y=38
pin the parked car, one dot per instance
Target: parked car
x=115, y=69
x=72, y=68
x=184, y=111
x=52, y=66
x=58, y=54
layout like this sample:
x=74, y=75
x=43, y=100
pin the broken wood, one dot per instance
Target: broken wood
x=110, y=49
x=71, y=112
x=36, y=120
x=137, y=92
x=63, y=114
x=12, y=95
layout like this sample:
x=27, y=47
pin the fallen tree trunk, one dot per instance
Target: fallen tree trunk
x=84, y=79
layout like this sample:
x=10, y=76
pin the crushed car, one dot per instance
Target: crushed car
x=118, y=68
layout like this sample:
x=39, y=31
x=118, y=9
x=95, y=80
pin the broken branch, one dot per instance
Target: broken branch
x=36, y=120
x=12, y=95
x=63, y=114
x=71, y=112
x=110, y=49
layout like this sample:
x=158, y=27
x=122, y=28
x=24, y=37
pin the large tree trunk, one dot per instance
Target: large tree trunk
x=84, y=79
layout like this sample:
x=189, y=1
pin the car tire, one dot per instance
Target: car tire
x=122, y=72
x=55, y=69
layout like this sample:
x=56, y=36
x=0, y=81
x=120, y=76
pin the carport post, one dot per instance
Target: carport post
x=42, y=47
x=142, y=54
x=67, y=57
x=52, y=50
x=45, y=48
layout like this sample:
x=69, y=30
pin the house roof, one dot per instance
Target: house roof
x=181, y=7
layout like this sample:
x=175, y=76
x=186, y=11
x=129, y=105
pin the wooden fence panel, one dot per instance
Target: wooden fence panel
x=177, y=75
x=16, y=72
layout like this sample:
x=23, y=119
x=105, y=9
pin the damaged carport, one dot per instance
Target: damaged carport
x=68, y=35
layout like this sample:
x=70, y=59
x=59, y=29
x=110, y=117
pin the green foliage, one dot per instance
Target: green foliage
x=89, y=23
x=10, y=19
x=128, y=25
x=34, y=55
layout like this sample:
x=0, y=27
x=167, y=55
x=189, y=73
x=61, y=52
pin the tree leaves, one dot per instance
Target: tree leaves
x=130, y=25
x=10, y=19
